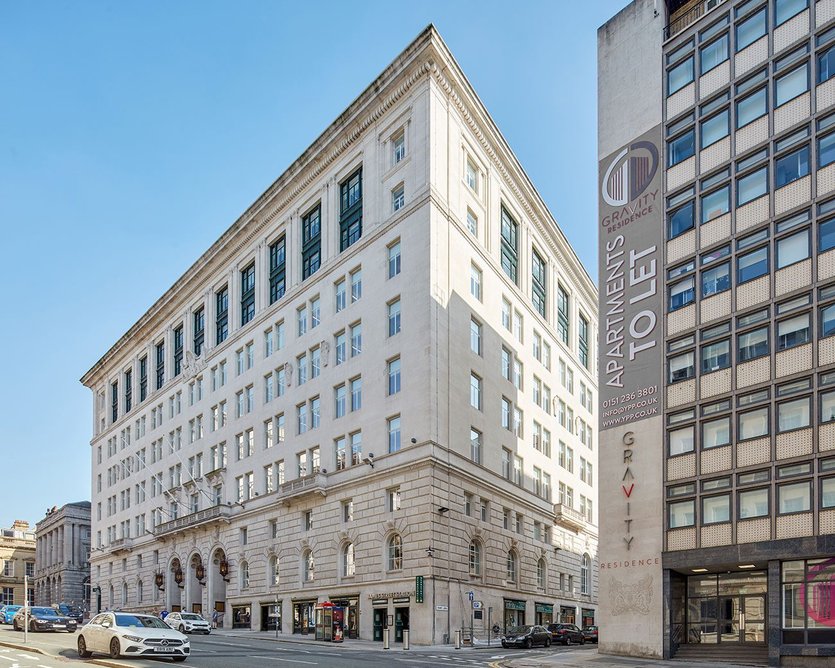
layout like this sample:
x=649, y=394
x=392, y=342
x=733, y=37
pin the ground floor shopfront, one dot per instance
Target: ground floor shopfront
x=782, y=609
x=368, y=614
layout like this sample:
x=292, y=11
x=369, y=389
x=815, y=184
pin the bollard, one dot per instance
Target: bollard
x=458, y=640
x=385, y=639
x=405, y=639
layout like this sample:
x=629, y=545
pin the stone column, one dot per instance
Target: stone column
x=774, y=613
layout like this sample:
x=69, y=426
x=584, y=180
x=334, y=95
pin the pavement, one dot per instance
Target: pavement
x=227, y=648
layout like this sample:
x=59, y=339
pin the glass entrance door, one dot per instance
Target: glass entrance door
x=753, y=619
x=742, y=619
x=729, y=619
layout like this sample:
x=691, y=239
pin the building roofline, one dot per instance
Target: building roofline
x=321, y=153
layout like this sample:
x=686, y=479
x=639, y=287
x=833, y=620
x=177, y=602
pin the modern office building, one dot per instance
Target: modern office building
x=17, y=561
x=717, y=356
x=62, y=566
x=375, y=390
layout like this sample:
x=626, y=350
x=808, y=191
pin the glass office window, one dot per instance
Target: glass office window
x=826, y=235
x=752, y=344
x=682, y=514
x=826, y=65
x=716, y=509
x=714, y=128
x=827, y=327
x=753, y=424
x=751, y=186
x=682, y=293
x=713, y=54
x=794, y=498
x=751, y=108
x=753, y=503
x=792, y=249
x=716, y=279
x=681, y=219
x=716, y=203
x=786, y=9
x=827, y=492
x=716, y=433
x=681, y=148
x=793, y=332
x=680, y=75
x=793, y=414
x=750, y=30
x=791, y=84
x=681, y=441
x=682, y=367
x=752, y=265
x=791, y=167
x=826, y=149
x=716, y=356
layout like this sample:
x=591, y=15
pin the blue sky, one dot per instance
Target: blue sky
x=132, y=134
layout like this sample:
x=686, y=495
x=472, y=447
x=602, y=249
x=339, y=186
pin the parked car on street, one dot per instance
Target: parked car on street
x=127, y=634
x=42, y=619
x=7, y=613
x=526, y=636
x=566, y=634
x=590, y=633
x=188, y=622
x=71, y=611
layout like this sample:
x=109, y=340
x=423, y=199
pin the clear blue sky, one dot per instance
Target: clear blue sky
x=132, y=134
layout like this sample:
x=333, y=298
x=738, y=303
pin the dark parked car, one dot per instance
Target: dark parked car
x=566, y=634
x=526, y=636
x=590, y=633
x=71, y=611
x=43, y=619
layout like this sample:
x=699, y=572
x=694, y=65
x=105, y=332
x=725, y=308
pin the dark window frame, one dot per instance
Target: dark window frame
x=509, y=235
x=539, y=278
x=178, y=350
x=350, y=210
x=312, y=241
x=278, y=269
x=222, y=315
x=199, y=321
x=247, y=294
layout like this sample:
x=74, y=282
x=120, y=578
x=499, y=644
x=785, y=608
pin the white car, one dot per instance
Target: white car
x=127, y=634
x=188, y=622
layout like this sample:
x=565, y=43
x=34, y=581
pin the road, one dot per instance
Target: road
x=233, y=651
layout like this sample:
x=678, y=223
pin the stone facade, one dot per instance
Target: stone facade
x=17, y=560
x=62, y=566
x=409, y=409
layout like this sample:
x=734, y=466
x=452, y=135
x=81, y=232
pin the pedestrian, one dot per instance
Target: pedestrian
x=214, y=619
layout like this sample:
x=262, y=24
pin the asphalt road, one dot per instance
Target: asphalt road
x=228, y=651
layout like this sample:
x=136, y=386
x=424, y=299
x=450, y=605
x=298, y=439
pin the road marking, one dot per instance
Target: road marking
x=275, y=658
x=8, y=658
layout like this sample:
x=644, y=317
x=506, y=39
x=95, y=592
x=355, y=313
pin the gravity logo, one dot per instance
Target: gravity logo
x=630, y=173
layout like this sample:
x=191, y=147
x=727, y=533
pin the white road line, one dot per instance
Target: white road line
x=8, y=658
x=275, y=658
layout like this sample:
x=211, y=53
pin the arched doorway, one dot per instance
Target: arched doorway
x=218, y=577
x=174, y=586
x=195, y=581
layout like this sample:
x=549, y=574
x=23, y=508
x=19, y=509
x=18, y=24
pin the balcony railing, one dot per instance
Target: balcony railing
x=567, y=517
x=688, y=15
x=301, y=487
x=205, y=517
x=121, y=545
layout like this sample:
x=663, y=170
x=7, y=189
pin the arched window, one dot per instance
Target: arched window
x=274, y=576
x=140, y=594
x=511, y=566
x=124, y=593
x=395, y=553
x=585, y=575
x=541, y=574
x=308, y=564
x=244, y=575
x=475, y=558
x=349, y=566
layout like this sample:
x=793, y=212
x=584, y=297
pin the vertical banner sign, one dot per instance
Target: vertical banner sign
x=631, y=219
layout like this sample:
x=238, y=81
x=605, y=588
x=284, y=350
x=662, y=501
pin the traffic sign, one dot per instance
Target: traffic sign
x=477, y=605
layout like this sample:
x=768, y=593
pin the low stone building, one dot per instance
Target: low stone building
x=17, y=560
x=62, y=566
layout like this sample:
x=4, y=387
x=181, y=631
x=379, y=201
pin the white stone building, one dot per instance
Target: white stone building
x=62, y=567
x=384, y=370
